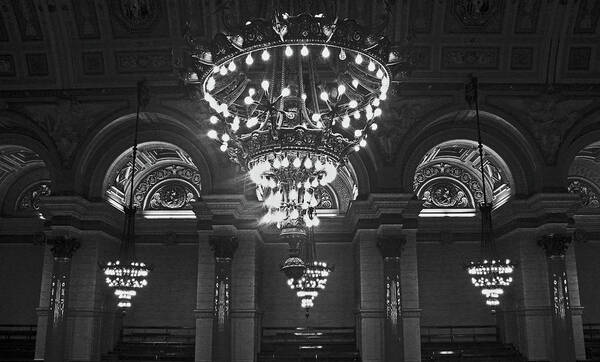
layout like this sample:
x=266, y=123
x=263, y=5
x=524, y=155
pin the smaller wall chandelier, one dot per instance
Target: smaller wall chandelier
x=125, y=275
x=491, y=274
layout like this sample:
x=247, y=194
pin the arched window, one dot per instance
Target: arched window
x=448, y=179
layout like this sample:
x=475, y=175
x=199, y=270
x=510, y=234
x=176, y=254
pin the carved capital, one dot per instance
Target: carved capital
x=391, y=247
x=555, y=245
x=224, y=246
x=64, y=247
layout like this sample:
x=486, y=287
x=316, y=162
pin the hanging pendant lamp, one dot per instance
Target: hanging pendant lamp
x=126, y=274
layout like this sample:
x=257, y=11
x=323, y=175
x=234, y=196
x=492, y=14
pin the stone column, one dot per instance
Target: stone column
x=371, y=313
x=411, y=312
x=391, y=249
x=224, y=247
x=563, y=346
x=62, y=251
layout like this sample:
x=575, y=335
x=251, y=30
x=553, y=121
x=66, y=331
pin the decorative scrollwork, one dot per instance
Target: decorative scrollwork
x=171, y=195
x=446, y=190
x=586, y=190
x=30, y=198
x=445, y=193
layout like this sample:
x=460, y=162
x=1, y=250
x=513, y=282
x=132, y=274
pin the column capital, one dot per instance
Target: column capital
x=64, y=246
x=391, y=246
x=555, y=245
x=224, y=246
x=203, y=213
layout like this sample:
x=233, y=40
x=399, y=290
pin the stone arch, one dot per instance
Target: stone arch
x=510, y=146
x=584, y=176
x=112, y=140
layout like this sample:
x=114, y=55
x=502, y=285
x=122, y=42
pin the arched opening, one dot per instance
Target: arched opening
x=448, y=179
x=584, y=176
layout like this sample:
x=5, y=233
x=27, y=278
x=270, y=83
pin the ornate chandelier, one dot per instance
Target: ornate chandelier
x=125, y=275
x=292, y=98
x=491, y=274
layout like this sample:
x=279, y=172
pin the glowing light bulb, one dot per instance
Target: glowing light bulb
x=355, y=83
x=277, y=163
x=297, y=162
x=341, y=89
x=225, y=137
x=265, y=56
x=356, y=148
x=210, y=84
x=318, y=165
x=308, y=163
x=251, y=92
x=249, y=59
x=235, y=127
x=342, y=55
x=304, y=51
x=353, y=104
x=251, y=122
x=248, y=100
x=288, y=51
x=303, y=96
x=363, y=143
x=212, y=134
x=377, y=112
x=379, y=73
x=316, y=117
x=265, y=85
x=383, y=96
x=213, y=119
x=376, y=102
x=357, y=133
x=325, y=53
x=232, y=67
x=216, y=69
x=374, y=126
x=285, y=92
x=346, y=121
x=324, y=96
x=371, y=66
x=223, y=147
x=285, y=162
x=294, y=214
x=356, y=114
x=223, y=70
x=358, y=59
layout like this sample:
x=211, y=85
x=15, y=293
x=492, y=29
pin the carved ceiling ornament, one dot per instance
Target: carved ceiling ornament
x=136, y=15
x=476, y=12
x=452, y=183
x=445, y=193
x=587, y=190
x=29, y=200
x=171, y=195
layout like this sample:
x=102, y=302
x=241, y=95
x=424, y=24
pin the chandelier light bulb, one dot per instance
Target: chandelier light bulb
x=383, y=96
x=379, y=73
x=318, y=165
x=248, y=100
x=316, y=117
x=251, y=92
x=297, y=163
x=210, y=84
x=377, y=112
x=235, y=126
x=308, y=163
x=374, y=126
x=251, y=122
x=276, y=163
x=285, y=92
x=357, y=148
x=212, y=134
x=225, y=137
x=376, y=102
x=213, y=119
x=363, y=143
x=357, y=114
x=324, y=96
x=357, y=133
x=265, y=85
x=355, y=83
x=223, y=70
x=353, y=104
x=294, y=214
x=265, y=56
x=232, y=67
x=304, y=51
x=342, y=55
x=359, y=59
x=249, y=59
x=303, y=96
x=341, y=89
x=288, y=51
x=371, y=66
x=369, y=111
x=346, y=121
x=216, y=69
x=223, y=147
x=285, y=162
x=316, y=221
x=325, y=53
x=319, y=124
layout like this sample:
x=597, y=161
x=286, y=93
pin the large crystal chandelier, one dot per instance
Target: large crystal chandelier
x=291, y=98
x=126, y=275
x=490, y=274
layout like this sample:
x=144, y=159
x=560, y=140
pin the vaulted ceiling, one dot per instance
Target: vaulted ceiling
x=62, y=44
